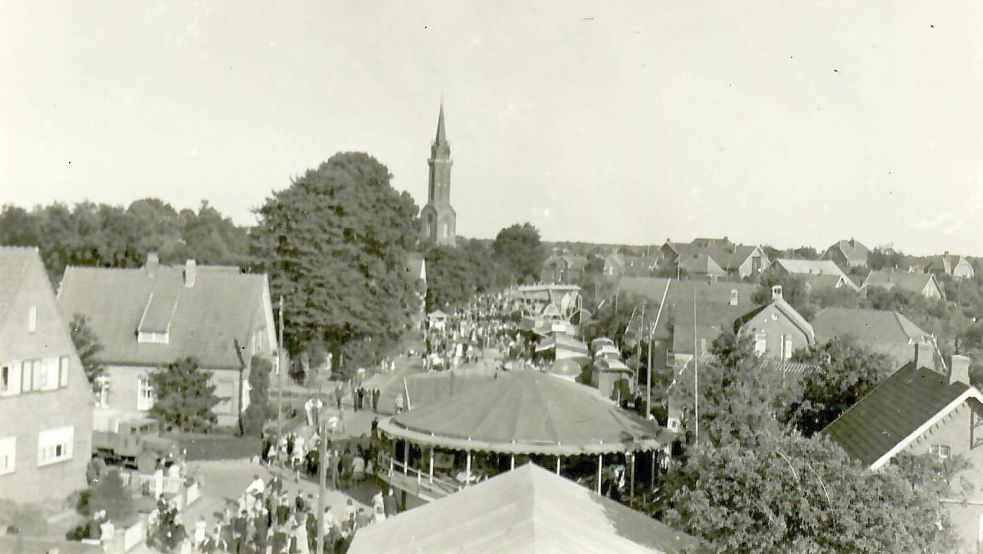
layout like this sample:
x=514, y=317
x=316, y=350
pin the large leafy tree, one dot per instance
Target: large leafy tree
x=455, y=275
x=334, y=244
x=521, y=252
x=184, y=397
x=88, y=347
x=845, y=372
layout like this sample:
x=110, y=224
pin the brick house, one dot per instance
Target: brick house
x=920, y=411
x=776, y=328
x=149, y=317
x=45, y=399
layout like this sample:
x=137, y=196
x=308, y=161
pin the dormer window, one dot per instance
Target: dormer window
x=153, y=337
x=32, y=319
x=941, y=450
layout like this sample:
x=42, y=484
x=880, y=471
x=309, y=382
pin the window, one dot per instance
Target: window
x=55, y=445
x=941, y=450
x=4, y=379
x=102, y=391
x=760, y=343
x=153, y=337
x=786, y=347
x=145, y=394
x=63, y=371
x=8, y=454
x=27, y=374
x=10, y=375
x=32, y=319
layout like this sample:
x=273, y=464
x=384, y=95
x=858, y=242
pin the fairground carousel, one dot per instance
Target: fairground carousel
x=517, y=417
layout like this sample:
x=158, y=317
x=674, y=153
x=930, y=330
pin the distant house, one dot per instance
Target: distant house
x=815, y=273
x=919, y=411
x=615, y=265
x=776, y=328
x=958, y=267
x=45, y=398
x=924, y=284
x=149, y=317
x=713, y=257
x=848, y=253
x=680, y=333
x=888, y=333
x=563, y=267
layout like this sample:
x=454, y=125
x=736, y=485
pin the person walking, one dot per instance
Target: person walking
x=376, y=393
x=338, y=394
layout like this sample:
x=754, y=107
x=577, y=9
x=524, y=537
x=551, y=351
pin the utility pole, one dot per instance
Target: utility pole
x=279, y=378
x=696, y=377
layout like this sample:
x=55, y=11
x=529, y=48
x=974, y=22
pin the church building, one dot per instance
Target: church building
x=438, y=216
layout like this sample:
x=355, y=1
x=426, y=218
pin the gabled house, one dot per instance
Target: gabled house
x=563, y=267
x=888, y=333
x=149, y=317
x=957, y=267
x=848, y=253
x=713, y=257
x=919, y=411
x=776, y=328
x=924, y=284
x=45, y=398
x=815, y=273
x=615, y=264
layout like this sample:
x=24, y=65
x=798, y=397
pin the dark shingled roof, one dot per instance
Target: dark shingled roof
x=867, y=325
x=891, y=412
x=913, y=282
x=202, y=320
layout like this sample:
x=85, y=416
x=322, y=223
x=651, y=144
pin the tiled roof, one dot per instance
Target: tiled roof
x=201, y=321
x=826, y=281
x=893, y=411
x=867, y=325
x=913, y=282
x=14, y=261
x=810, y=267
x=855, y=251
x=724, y=254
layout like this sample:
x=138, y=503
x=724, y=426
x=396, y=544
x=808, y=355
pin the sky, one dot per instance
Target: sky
x=770, y=122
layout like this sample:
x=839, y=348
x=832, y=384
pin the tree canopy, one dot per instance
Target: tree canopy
x=520, y=250
x=456, y=274
x=334, y=244
x=184, y=397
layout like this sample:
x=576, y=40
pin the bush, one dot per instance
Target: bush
x=258, y=411
x=110, y=495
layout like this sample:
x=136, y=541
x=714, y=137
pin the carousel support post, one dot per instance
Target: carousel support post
x=600, y=466
x=431, y=464
x=557, y=465
x=631, y=487
x=653, y=470
x=467, y=469
x=513, y=462
x=406, y=457
x=392, y=460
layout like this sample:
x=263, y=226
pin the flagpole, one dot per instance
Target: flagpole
x=279, y=378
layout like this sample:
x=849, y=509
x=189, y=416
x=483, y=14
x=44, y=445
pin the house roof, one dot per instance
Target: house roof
x=14, y=261
x=853, y=250
x=810, y=267
x=827, y=281
x=713, y=309
x=528, y=510
x=724, y=254
x=947, y=264
x=867, y=326
x=202, y=321
x=894, y=413
x=526, y=412
x=910, y=281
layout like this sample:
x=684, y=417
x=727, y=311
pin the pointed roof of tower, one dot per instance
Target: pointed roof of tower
x=441, y=133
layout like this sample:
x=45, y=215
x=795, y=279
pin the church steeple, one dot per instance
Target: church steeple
x=439, y=219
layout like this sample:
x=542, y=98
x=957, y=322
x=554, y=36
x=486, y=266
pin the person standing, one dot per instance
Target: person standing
x=399, y=403
x=376, y=393
x=389, y=503
x=338, y=394
x=240, y=533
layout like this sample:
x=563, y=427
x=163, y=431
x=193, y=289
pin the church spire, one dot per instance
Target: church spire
x=441, y=133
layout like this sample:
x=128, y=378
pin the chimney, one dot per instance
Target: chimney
x=776, y=292
x=959, y=369
x=924, y=355
x=733, y=297
x=853, y=242
x=153, y=262
x=190, y=273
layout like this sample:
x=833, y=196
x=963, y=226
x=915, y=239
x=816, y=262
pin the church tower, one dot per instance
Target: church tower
x=438, y=216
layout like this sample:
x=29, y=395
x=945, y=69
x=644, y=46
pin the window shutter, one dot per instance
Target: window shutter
x=27, y=377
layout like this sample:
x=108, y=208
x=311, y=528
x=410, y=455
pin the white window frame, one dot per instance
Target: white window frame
x=55, y=445
x=102, y=391
x=787, y=347
x=942, y=451
x=8, y=455
x=28, y=368
x=760, y=343
x=145, y=393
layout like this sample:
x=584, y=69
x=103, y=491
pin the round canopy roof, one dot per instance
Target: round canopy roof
x=527, y=412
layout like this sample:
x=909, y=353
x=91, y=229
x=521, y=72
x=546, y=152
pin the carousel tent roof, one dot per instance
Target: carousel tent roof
x=426, y=389
x=526, y=511
x=527, y=412
x=567, y=367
